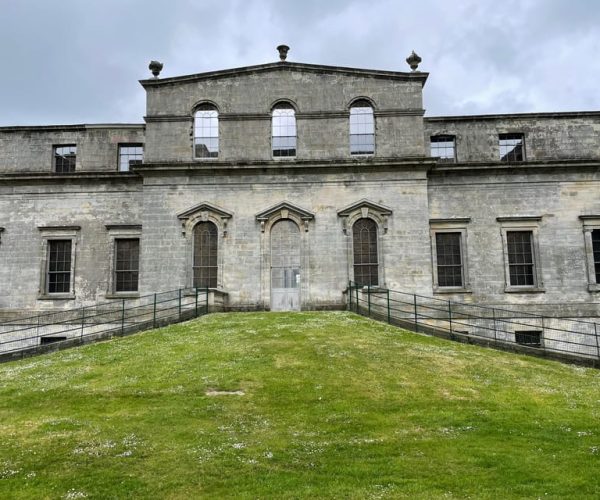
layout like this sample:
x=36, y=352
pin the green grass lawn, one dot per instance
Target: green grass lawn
x=333, y=406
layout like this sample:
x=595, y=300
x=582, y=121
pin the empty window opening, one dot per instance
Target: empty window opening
x=443, y=147
x=130, y=155
x=596, y=251
x=205, y=264
x=531, y=338
x=284, y=132
x=65, y=158
x=59, y=266
x=362, y=128
x=51, y=340
x=512, y=147
x=127, y=262
x=206, y=132
x=366, y=263
x=520, y=258
x=449, y=260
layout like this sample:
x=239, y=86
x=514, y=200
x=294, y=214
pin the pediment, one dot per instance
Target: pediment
x=204, y=207
x=288, y=67
x=364, y=205
x=283, y=207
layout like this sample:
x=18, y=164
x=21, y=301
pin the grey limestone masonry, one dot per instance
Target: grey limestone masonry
x=549, y=196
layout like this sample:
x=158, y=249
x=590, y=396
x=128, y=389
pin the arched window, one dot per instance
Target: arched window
x=206, y=132
x=283, y=130
x=366, y=264
x=362, y=128
x=205, y=255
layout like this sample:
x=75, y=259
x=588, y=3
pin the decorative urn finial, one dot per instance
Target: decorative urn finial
x=283, y=50
x=413, y=61
x=156, y=67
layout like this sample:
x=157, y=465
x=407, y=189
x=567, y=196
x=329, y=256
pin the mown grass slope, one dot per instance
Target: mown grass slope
x=333, y=406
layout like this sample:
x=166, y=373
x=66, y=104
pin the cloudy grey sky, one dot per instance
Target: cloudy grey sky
x=78, y=61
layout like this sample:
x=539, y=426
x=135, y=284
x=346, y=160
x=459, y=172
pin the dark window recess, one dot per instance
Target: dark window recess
x=531, y=338
x=449, y=263
x=596, y=250
x=366, y=267
x=206, y=132
x=205, y=264
x=520, y=258
x=51, y=340
x=130, y=155
x=284, y=131
x=59, y=266
x=64, y=159
x=127, y=264
x=443, y=147
x=512, y=147
x=362, y=129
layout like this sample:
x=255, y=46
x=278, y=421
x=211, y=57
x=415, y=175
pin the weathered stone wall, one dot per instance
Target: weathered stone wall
x=548, y=136
x=91, y=204
x=405, y=246
x=557, y=195
x=322, y=101
x=30, y=149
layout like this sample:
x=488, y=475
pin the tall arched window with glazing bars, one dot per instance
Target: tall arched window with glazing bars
x=283, y=130
x=362, y=128
x=206, y=132
x=366, y=260
x=205, y=263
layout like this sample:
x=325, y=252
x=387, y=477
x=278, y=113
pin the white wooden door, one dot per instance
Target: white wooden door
x=285, y=266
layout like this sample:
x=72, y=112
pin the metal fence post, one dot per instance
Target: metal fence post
x=123, y=317
x=180, y=303
x=450, y=315
x=495, y=329
x=357, y=304
x=388, y=306
x=350, y=295
x=416, y=316
x=82, y=320
x=206, y=312
x=596, y=334
x=196, y=306
x=369, y=298
x=154, y=313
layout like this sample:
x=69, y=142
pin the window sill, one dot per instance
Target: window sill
x=594, y=287
x=56, y=296
x=122, y=295
x=524, y=289
x=449, y=289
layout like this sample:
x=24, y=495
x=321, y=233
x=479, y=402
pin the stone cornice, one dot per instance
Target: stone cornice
x=478, y=167
x=306, y=115
x=336, y=163
x=73, y=128
x=123, y=227
x=513, y=116
x=520, y=218
x=288, y=66
x=69, y=177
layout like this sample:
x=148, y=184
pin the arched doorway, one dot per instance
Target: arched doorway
x=285, y=266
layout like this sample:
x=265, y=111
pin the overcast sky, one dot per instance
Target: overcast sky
x=79, y=61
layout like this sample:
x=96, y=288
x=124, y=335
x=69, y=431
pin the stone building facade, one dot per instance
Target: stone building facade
x=277, y=184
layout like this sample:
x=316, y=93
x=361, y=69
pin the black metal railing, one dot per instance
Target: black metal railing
x=118, y=317
x=503, y=327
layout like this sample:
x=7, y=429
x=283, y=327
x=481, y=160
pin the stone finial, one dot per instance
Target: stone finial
x=156, y=67
x=413, y=61
x=283, y=50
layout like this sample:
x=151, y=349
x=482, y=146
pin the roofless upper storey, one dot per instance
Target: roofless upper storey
x=317, y=102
